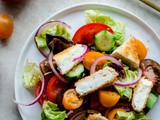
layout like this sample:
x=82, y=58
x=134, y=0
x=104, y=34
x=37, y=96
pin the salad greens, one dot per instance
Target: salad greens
x=31, y=75
x=99, y=17
x=50, y=111
x=54, y=30
x=126, y=91
x=131, y=116
x=105, y=40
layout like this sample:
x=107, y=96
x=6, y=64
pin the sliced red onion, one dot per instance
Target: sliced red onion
x=93, y=67
x=37, y=98
x=83, y=54
x=53, y=68
x=130, y=83
x=51, y=23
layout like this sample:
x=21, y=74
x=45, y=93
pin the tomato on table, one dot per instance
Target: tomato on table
x=54, y=86
x=37, y=91
x=71, y=100
x=86, y=33
x=6, y=26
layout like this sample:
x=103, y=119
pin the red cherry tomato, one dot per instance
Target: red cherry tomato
x=37, y=91
x=54, y=87
x=86, y=33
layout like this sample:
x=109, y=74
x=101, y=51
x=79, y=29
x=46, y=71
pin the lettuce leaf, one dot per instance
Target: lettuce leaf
x=31, y=75
x=126, y=91
x=54, y=30
x=131, y=116
x=125, y=115
x=50, y=111
x=99, y=17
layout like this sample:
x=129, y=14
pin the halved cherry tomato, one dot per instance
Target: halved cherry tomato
x=6, y=26
x=86, y=33
x=90, y=57
x=141, y=49
x=71, y=100
x=112, y=113
x=37, y=91
x=54, y=87
x=108, y=98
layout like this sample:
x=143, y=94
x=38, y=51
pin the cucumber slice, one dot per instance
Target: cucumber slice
x=104, y=41
x=76, y=72
x=151, y=100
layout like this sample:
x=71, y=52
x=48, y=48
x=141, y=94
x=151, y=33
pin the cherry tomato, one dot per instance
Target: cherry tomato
x=54, y=87
x=86, y=33
x=6, y=26
x=141, y=48
x=71, y=100
x=108, y=98
x=90, y=57
x=37, y=91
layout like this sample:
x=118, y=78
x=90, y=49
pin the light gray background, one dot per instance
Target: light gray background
x=27, y=16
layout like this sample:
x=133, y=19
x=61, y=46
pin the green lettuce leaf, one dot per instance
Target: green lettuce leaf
x=99, y=17
x=50, y=111
x=131, y=116
x=126, y=91
x=31, y=75
x=125, y=115
x=54, y=30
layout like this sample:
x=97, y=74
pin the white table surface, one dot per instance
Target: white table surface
x=27, y=16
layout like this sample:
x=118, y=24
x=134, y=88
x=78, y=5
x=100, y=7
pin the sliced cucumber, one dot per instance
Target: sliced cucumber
x=104, y=41
x=151, y=100
x=76, y=72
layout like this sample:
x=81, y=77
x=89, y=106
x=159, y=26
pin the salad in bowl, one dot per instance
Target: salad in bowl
x=96, y=74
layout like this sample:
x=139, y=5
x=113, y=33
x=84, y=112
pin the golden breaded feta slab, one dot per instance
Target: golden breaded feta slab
x=100, y=79
x=141, y=94
x=127, y=52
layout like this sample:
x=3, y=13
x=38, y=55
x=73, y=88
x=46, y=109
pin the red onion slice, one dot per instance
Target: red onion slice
x=93, y=67
x=37, y=98
x=53, y=68
x=83, y=54
x=51, y=23
x=130, y=83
